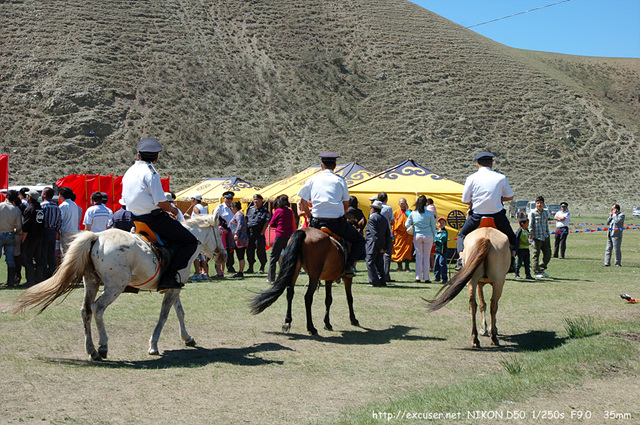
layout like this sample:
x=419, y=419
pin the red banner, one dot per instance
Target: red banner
x=83, y=185
x=4, y=171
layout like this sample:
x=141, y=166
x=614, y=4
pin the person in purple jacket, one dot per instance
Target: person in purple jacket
x=283, y=221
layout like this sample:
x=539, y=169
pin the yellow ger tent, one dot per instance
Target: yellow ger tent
x=352, y=173
x=409, y=180
x=212, y=190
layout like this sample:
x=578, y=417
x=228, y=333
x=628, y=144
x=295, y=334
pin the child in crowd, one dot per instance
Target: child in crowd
x=522, y=235
x=440, y=262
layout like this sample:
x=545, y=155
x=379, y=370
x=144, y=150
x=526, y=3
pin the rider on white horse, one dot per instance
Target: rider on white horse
x=145, y=198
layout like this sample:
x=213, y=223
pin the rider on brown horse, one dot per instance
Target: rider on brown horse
x=329, y=198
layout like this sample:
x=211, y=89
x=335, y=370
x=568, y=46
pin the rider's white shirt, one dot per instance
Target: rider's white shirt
x=326, y=192
x=485, y=189
x=142, y=189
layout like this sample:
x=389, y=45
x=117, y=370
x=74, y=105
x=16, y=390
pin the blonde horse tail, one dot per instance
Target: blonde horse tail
x=477, y=254
x=68, y=277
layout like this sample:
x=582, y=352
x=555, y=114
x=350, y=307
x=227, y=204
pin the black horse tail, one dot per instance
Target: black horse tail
x=454, y=286
x=288, y=268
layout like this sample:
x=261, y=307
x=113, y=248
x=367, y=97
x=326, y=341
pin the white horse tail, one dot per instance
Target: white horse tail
x=77, y=261
x=477, y=255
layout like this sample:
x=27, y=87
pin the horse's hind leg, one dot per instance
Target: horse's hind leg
x=347, y=289
x=286, y=326
x=473, y=306
x=168, y=300
x=188, y=339
x=483, y=307
x=495, y=296
x=327, y=303
x=308, y=301
x=111, y=291
x=90, y=291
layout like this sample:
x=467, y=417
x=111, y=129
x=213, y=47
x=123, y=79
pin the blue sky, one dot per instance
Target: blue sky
x=608, y=28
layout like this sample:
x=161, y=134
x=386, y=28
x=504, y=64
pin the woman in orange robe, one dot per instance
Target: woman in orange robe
x=403, y=242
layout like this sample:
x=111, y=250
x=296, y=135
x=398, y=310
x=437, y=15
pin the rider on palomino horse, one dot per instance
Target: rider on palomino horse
x=485, y=191
x=145, y=198
x=329, y=198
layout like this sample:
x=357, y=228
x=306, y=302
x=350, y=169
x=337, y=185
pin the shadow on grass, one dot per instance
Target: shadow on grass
x=369, y=337
x=186, y=357
x=535, y=340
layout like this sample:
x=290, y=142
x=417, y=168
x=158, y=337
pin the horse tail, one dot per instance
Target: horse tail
x=478, y=255
x=77, y=261
x=288, y=269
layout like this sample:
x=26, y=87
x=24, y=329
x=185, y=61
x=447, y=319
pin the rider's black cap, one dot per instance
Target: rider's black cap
x=149, y=145
x=484, y=156
x=329, y=157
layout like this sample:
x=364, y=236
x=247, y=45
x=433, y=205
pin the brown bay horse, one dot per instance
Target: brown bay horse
x=322, y=258
x=486, y=258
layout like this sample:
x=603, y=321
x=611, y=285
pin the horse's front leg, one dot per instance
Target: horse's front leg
x=168, y=300
x=111, y=292
x=327, y=303
x=482, y=307
x=347, y=289
x=308, y=300
x=473, y=308
x=90, y=292
x=188, y=339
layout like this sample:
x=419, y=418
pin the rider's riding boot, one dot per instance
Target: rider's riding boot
x=169, y=281
x=349, y=271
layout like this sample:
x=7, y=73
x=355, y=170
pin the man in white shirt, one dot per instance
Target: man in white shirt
x=562, y=230
x=70, y=214
x=329, y=198
x=485, y=191
x=97, y=217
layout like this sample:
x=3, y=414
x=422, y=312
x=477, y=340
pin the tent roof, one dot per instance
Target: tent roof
x=352, y=173
x=212, y=189
x=407, y=177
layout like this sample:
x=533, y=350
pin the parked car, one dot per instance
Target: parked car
x=532, y=206
x=636, y=212
x=553, y=209
x=516, y=206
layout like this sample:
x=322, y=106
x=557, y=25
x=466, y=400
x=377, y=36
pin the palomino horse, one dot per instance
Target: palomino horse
x=118, y=259
x=323, y=259
x=486, y=258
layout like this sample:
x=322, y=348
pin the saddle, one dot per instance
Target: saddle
x=161, y=250
x=343, y=244
x=487, y=222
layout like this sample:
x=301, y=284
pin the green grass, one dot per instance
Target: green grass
x=402, y=358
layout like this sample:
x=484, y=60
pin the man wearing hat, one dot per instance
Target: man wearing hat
x=485, y=191
x=378, y=243
x=143, y=194
x=122, y=218
x=329, y=198
x=257, y=222
x=225, y=215
x=562, y=230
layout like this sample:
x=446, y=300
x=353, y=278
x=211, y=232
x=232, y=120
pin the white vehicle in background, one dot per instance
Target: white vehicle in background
x=636, y=211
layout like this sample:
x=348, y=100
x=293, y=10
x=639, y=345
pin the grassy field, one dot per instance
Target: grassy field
x=401, y=361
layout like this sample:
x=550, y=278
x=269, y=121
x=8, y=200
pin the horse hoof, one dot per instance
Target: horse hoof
x=190, y=343
x=154, y=352
x=494, y=341
x=95, y=356
x=355, y=322
x=328, y=327
x=103, y=352
x=476, y=344
x=313, y=331
x=485, y=333
x=286, y=327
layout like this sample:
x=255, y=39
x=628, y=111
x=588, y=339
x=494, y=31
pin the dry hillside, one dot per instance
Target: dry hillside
x=255, y=88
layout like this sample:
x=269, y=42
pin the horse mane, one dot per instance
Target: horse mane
x=454, y=286
x=203, y=220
